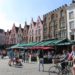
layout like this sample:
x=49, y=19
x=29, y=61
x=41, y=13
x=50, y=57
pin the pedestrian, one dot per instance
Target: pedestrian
x=11, y=56
x=64, y=60
x=41, y=60
x=49, y=57
x=72, y=56
x=23, y=56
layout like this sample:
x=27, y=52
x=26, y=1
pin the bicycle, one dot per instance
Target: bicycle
x=56, y=69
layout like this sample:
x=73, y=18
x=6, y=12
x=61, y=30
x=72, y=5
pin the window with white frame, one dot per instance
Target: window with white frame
x=71, y=23
x=71, y=15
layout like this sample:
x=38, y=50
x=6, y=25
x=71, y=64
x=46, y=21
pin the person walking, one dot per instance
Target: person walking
x=64, y=60
x=41, y=60
x=23, y=57
x=73, y=59
x=11, y=56
x=49, y=57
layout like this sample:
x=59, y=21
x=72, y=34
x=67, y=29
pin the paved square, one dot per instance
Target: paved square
x=27, y=69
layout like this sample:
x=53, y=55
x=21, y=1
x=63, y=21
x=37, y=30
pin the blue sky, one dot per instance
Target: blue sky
x=19, y=11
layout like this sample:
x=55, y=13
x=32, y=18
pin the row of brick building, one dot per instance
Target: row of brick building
x=59, y=23
x=30, y=33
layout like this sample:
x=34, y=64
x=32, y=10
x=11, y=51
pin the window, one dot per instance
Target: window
x=71, y=24
x=39, y=38
x=71, y=15
x=63, y=34
x=52, y=17
x=32, y=32
x=38, y=31
x=32, y=39
x=72, y=35
x=62, y=13
x=63, y=24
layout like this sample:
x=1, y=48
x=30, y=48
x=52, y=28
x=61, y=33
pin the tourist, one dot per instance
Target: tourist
x=73, y=59
x=64, y=60
x=41, y=60
x=11, y=56
x=49, y=57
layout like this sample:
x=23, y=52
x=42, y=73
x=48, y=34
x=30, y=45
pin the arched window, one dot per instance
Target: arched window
x=52, y=16
x=62, y=13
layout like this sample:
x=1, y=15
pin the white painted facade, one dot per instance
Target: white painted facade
x=71, y=21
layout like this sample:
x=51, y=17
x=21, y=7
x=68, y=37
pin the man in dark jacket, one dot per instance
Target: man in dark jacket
x=41, y=60
x=64, y=61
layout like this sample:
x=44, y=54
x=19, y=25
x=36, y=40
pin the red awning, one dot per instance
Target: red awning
x=42, y=48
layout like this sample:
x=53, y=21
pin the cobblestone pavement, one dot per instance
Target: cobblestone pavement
x=27, y=69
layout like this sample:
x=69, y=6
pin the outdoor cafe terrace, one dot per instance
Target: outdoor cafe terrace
x=45, y=45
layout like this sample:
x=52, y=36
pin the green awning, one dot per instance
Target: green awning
x=53, y=42
x=68, y=42
x=45, y=43
x=22, y=45
x=31, y=44
x=15, y=46
x=65, y=43
x=40, y=43
x=56, y=41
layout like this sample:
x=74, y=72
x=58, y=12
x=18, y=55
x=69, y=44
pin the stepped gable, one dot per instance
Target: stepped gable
x=34, y=23
x=42, y=21
x=22, y=29
x=17, y=28
x=9, y=32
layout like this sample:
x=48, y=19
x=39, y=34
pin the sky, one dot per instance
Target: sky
x=19, y=11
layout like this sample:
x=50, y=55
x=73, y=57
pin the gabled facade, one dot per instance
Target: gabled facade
x=39, y=30
x=35, y=33
x=13, y=35
x=25, y=33
x=20, y=34
x=7, y=34
x=31, y=32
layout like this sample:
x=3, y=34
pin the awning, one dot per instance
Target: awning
x=22, y=44
x=30, y=44
x=41, y=48
x=65, y=43
x=51, y=42
x=14, y=46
